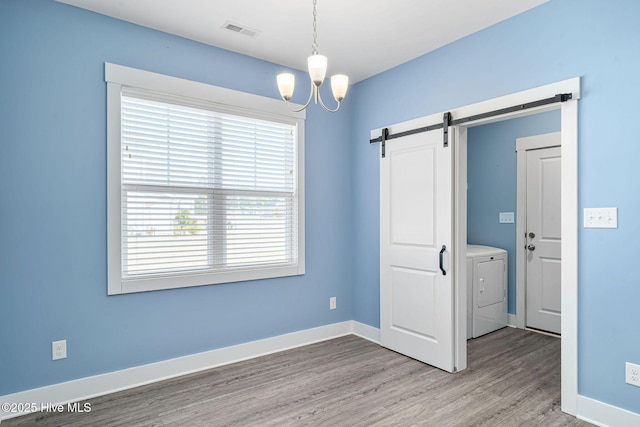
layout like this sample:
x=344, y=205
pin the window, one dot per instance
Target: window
x=204, y=184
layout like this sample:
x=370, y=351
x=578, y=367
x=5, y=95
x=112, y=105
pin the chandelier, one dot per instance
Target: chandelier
x=317, y=65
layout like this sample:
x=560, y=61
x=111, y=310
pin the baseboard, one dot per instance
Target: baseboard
x=603, y=414
x=511, y=320
x=99, y=385
x=365, y=331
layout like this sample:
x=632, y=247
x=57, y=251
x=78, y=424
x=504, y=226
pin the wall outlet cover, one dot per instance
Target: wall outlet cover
x=59, y=350
x=632, y=375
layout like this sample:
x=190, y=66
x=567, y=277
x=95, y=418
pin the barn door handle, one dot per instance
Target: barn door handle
x=444, y=248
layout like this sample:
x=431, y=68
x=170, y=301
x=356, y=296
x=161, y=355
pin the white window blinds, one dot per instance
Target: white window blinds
x=202, y=190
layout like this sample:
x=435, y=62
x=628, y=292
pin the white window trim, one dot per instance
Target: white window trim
x=228, y=100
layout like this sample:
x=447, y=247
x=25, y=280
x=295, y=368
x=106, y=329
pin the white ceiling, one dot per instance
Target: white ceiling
x=361, y=38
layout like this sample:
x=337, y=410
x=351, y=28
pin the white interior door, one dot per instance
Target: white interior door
x=543, y=243
x=416, y=296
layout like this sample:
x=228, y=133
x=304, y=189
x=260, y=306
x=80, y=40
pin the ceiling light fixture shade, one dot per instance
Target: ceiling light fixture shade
x=317, y=65
x=339, y=86
x=286, y=84
x=317, y=68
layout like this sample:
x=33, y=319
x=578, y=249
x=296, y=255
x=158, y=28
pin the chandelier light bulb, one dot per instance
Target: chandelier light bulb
x=339, y=86
x=317, y=68
x=286, y=85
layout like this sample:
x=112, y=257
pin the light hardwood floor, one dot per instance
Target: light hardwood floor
x=513, y=379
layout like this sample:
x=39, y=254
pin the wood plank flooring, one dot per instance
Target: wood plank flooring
x=513, y=379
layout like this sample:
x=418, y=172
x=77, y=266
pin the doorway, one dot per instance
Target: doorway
x=496, y=208
x=569, y=221
x=455, y=256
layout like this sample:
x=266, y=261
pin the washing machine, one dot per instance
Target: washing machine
x=487, y=290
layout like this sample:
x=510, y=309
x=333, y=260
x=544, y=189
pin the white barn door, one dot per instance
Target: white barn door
x=416, y=286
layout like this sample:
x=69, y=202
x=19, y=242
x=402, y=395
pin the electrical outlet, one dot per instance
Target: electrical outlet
x=59, y=350
x=332, y=303
x=633, y=374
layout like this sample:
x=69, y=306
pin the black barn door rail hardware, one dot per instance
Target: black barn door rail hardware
x=447, y=120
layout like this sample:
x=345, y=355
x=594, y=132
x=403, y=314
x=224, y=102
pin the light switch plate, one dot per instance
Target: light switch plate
x=601, y=218
x=507, y=218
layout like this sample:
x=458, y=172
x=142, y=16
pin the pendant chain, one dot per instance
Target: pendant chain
x=314, y=46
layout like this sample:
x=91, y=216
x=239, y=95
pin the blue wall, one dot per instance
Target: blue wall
x=53, y=271
x=491, y=178
x=558, y=40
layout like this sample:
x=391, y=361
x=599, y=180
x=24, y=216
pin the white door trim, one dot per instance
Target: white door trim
x=522, y=145
x=569, y=206
x=569, y=252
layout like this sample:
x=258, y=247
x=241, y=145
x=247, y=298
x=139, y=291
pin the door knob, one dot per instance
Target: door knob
x=532, y=234
x=531, y=247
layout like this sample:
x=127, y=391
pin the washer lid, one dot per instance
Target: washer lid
x=479, y=251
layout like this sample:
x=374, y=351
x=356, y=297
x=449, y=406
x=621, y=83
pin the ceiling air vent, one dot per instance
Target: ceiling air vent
x=240, y=29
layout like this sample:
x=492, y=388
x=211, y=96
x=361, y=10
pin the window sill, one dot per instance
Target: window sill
x=118, y=286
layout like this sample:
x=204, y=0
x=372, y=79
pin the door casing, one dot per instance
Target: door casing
x=569, y=214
